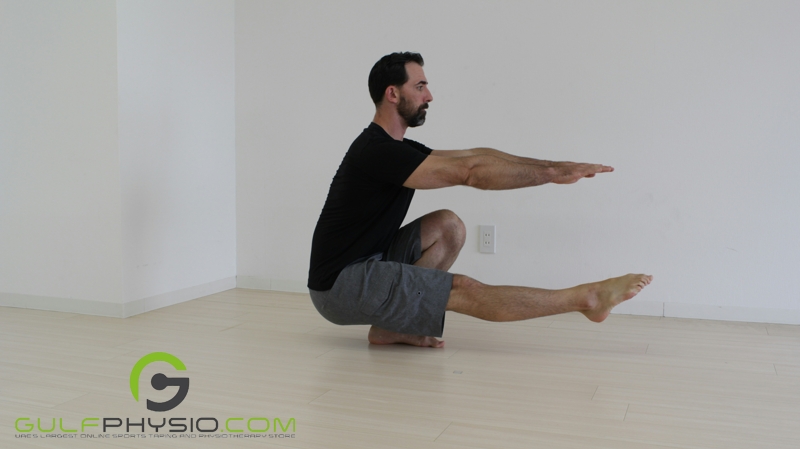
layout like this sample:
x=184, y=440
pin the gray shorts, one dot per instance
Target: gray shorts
x=386, y=290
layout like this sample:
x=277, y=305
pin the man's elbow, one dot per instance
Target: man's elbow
x=472, y=178
x=473, y=174
x=459, y=171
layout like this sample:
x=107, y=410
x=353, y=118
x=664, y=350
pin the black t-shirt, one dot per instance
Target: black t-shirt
x=366, y=203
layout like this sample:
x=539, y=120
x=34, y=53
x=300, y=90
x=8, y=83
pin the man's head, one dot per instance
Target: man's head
x=398, y=79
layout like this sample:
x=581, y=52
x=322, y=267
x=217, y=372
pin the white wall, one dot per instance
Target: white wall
x=117, y=156
x=694, y=104
x=176, y=127
x=60, y=224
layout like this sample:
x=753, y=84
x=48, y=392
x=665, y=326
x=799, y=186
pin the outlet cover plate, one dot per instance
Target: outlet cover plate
x=487, y=242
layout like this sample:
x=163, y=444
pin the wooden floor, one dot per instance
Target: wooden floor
x=557, y=382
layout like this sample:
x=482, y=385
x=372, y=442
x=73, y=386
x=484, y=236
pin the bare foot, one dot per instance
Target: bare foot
x=605, y=295
x=378, y=336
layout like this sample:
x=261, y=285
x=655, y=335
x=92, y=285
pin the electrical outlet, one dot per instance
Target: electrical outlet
x=488, y=239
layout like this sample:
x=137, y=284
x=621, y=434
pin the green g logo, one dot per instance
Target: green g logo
x=160, y=381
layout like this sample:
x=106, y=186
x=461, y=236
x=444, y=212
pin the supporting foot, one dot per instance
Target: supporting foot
x=378, y=336
x=605, y=295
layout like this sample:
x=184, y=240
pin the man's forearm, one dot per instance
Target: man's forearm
x=490, y=172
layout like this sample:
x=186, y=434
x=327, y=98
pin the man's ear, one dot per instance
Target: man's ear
x=392, y=94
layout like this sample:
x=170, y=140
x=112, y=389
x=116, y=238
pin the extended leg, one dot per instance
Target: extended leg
x=505, y=303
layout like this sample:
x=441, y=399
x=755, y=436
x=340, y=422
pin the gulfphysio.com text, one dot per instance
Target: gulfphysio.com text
x=206, y=426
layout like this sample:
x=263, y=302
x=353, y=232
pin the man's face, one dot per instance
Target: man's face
x=414, y=96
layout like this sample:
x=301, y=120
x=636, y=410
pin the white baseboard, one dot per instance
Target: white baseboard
x=279, y=285
x=115, y=310
x=708, y=312
x=176, y=297
x=633, y=307
x=731, y=313
x=70, y=305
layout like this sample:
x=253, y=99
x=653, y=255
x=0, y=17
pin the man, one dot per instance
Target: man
x=365, y=269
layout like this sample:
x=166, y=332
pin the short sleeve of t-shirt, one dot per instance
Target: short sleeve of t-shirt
x=389, y=160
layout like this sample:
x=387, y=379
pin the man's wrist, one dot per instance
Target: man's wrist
x=550, y=174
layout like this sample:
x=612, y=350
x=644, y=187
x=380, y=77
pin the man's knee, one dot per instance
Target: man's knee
x=452, y=227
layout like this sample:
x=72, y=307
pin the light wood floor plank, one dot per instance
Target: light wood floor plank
x=788, y=370
x=482, y=436
x=784, y=330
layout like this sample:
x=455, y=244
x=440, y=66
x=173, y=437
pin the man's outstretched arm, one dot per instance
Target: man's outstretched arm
x=492, y=172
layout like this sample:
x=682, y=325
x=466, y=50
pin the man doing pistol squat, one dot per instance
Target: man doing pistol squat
x=366, y=269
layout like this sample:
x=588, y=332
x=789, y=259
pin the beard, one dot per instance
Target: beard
x=413, y=117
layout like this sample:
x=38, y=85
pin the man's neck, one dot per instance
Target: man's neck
x=393, y=124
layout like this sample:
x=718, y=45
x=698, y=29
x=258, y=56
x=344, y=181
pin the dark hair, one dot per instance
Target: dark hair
x=390, y=70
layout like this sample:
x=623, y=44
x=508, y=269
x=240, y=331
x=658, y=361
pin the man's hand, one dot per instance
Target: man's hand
x=572, y=172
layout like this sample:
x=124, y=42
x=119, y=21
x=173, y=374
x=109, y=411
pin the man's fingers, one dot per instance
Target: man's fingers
x=596, y=168
x=572, y=172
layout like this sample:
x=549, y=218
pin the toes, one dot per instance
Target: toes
x=433, y=342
